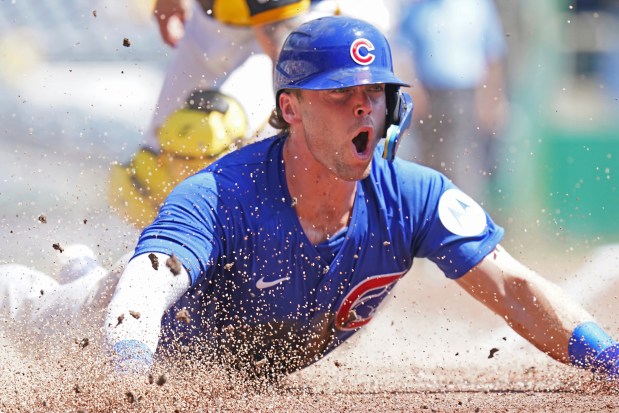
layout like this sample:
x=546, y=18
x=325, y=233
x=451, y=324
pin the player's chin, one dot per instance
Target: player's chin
x=357, y=172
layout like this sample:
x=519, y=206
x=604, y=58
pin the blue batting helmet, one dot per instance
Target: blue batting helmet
x=334, y=52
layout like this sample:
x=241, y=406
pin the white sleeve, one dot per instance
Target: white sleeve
x=141, y=297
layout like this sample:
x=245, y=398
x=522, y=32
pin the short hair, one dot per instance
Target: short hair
x=276, y=120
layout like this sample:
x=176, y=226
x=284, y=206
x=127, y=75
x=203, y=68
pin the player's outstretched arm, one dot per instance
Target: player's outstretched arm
x=541, y=312
x=133, y=318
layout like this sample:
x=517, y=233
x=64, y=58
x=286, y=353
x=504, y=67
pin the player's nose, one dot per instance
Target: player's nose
x=362, y=102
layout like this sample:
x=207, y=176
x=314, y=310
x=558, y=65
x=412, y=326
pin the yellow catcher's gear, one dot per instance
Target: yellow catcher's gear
x=250, y=13
x=131, y=197
x=194, y=133
x=208, y=126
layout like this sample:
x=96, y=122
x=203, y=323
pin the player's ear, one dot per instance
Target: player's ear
x=288, y=104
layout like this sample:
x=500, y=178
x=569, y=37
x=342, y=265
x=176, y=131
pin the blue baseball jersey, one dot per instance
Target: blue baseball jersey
x=262, y=291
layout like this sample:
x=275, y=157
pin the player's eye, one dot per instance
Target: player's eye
x=376, y=88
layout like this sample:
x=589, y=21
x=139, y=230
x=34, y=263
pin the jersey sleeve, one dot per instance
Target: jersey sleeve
x=449, y=227
x=187, y=227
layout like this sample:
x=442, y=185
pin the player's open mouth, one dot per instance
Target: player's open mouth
x=361, y=142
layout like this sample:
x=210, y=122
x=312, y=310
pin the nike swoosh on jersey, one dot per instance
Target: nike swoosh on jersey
x=261, y=284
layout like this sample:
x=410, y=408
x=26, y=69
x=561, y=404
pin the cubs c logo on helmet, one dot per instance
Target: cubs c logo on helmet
x=360, y=51
x=359, y=305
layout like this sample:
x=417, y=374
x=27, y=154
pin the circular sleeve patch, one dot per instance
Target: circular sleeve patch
x=460, y=214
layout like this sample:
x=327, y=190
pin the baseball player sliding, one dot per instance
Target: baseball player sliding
x=278, y=252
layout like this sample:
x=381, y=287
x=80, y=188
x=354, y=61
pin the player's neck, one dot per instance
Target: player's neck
x=322, y=201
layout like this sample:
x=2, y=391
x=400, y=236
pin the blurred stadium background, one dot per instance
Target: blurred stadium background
x=562, y=147
x=73, y=99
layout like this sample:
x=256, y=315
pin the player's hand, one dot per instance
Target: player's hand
x=131, y=357
x=171, y=16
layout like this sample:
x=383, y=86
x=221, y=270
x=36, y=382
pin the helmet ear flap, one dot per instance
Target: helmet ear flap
x=399, y=112
x=393, y=101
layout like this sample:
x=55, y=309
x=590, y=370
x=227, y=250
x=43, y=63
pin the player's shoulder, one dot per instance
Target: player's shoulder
x=247, y=166
x=407, y=183
x=250, y=155
x=405, y=171
x=240, y=176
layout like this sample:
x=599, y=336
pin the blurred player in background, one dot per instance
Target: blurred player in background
x=457, y=50
x=277, y=253
x=224, y=53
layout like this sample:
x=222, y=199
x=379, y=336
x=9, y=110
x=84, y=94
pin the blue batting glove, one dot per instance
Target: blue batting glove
x=591, y=348
x=131, y=357
x=607, y=362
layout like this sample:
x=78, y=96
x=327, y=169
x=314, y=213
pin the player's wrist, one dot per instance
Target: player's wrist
x=591, y=348
x=131, y=356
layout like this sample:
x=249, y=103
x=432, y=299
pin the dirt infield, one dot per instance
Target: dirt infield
x=430, y=349
x=71, y=387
